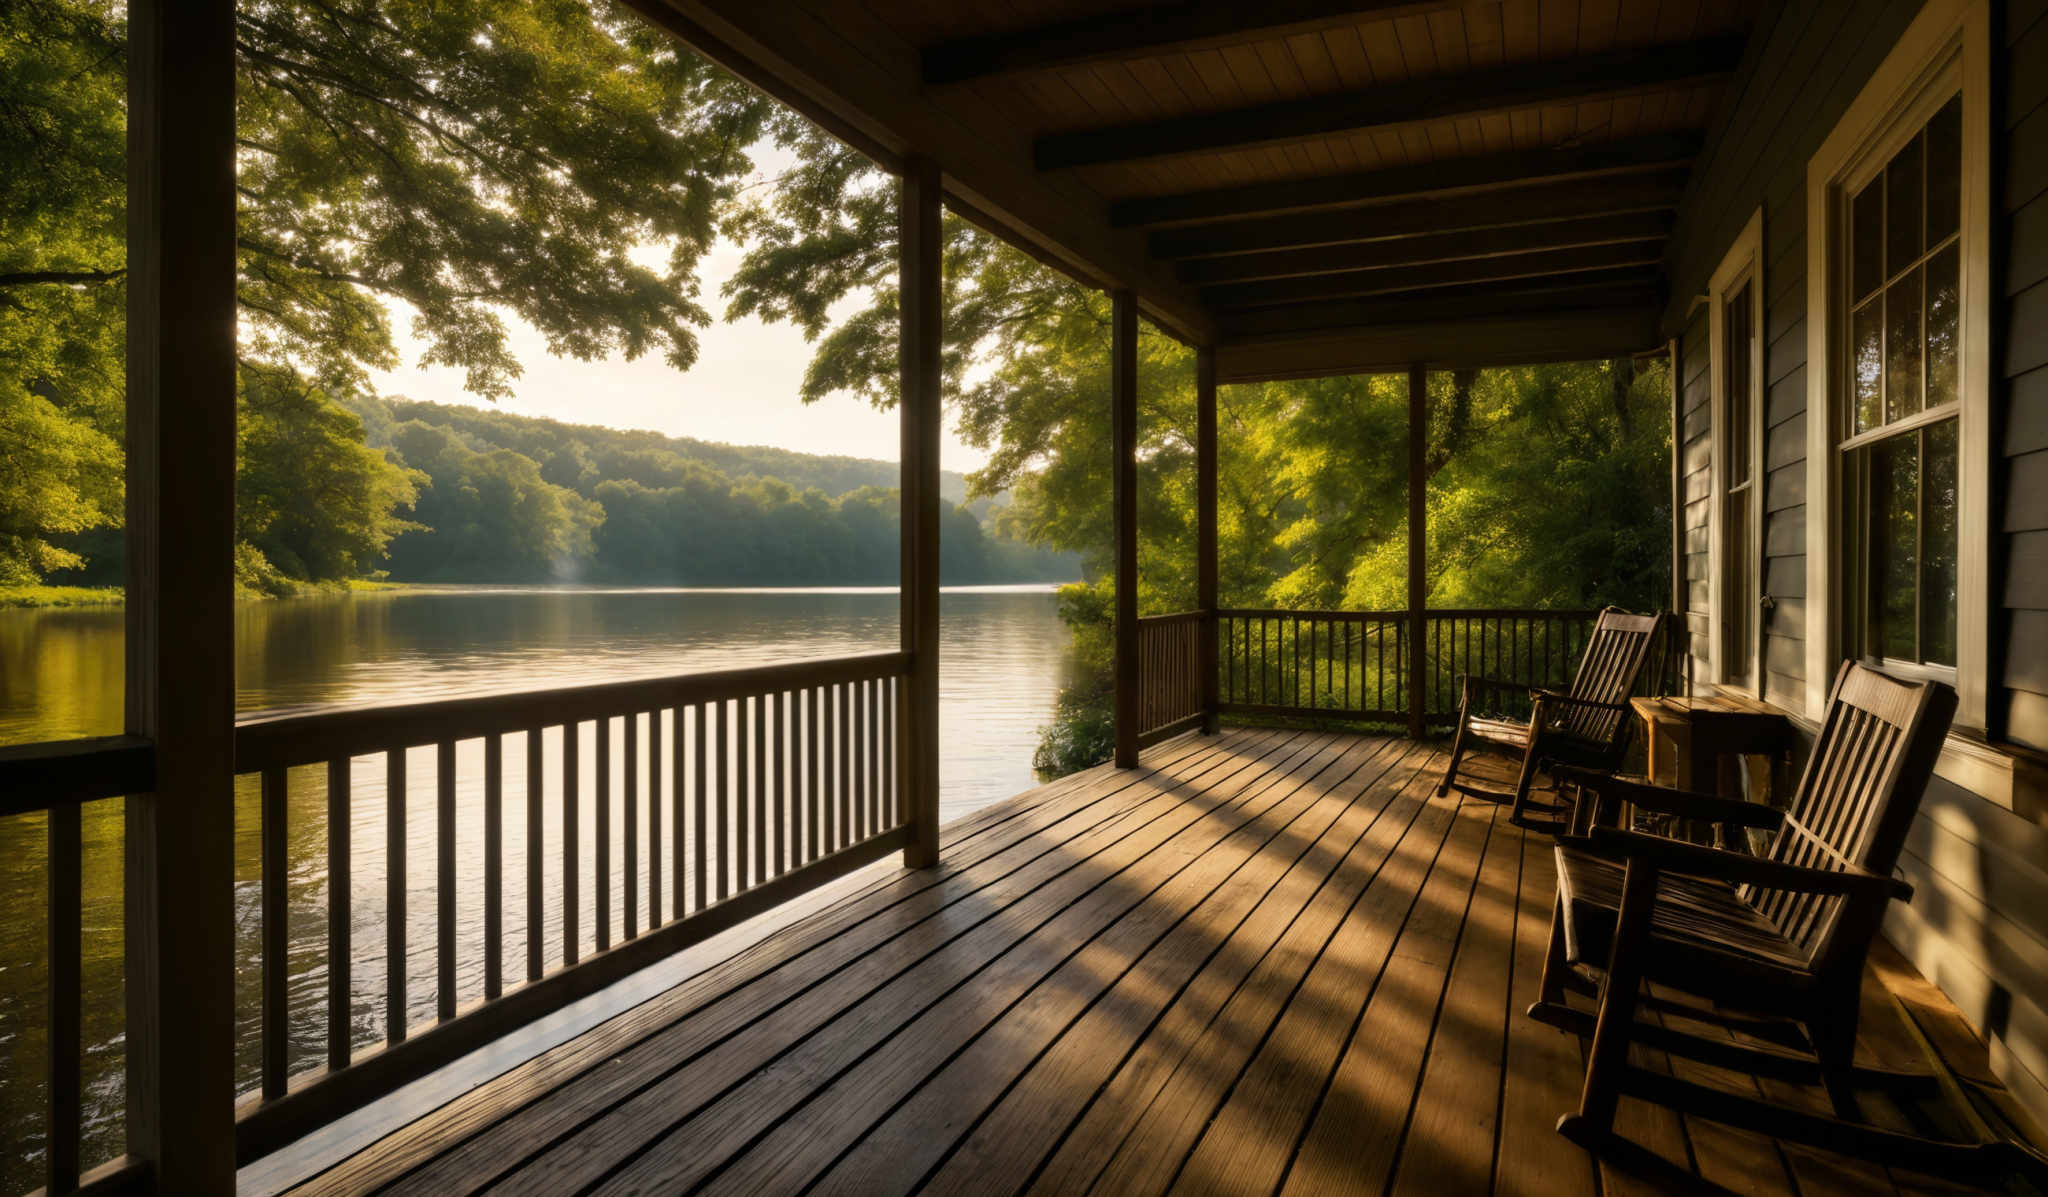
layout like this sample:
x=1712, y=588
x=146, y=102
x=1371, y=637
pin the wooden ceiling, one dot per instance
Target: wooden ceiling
x=1310, y=168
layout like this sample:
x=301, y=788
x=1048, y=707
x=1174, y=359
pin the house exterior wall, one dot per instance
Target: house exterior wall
x=1978, y=854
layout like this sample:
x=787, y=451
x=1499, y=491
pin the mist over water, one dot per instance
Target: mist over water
x=1004, y=656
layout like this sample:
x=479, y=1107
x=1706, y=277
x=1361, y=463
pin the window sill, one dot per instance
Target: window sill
x=2005, y=775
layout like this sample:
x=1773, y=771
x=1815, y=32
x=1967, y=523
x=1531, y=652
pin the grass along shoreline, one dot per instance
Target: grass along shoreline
x=16, y=597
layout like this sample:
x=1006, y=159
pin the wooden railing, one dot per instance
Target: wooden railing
x=1354, y=665
x=1169, y=674
x=55, y=782
x=1342, y=664
x=721, y=794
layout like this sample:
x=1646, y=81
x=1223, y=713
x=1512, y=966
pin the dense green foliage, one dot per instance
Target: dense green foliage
x=1547, y=485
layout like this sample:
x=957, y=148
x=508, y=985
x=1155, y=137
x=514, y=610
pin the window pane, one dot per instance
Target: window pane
x=1902, y=241
x=1902, y=347
x=1867, y=239
x=1894, y=534
x=1739, y=368
x=1938, y=547
x=1868, y=334
x=1945, y=171
x=1943, y=303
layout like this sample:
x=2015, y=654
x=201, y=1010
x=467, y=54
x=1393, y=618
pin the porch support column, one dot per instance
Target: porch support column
x=920, y=410
x=1123, y=440
x=1205, y=530
x=1418, y=438
x=180, y=693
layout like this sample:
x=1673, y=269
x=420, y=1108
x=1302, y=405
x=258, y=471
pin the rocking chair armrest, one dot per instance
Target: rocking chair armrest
x=1697, y=860
x=1559, y=696
x=1686, y=804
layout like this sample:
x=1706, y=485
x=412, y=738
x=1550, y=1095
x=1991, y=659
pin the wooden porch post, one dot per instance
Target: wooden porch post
x=180, y=932
x=1418, y=437
x=1123, y=439
x=921, y=411
x=1205, y=529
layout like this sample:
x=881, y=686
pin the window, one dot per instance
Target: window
x=1899, y=436
x=1898, y=443
x=1735, y=530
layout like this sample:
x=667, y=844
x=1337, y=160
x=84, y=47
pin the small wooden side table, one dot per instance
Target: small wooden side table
x=1689, y=739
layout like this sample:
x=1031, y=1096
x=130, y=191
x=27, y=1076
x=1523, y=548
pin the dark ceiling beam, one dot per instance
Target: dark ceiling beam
x=1451, y=177
x=1153, y=29
x=1419, y=218
x=1440, y=247
x=1545, y=264
x=1478, y=303
x=1592, y=77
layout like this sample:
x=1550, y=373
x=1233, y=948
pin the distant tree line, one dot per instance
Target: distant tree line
x=508, y=498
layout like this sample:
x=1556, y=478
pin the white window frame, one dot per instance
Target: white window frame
x=1945, y=51
x=1743, y=263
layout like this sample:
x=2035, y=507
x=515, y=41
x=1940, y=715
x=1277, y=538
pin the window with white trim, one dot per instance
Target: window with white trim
x=1899, y=367
x=1899, y=434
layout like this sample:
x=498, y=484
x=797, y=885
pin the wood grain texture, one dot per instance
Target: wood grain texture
x=1268, y=959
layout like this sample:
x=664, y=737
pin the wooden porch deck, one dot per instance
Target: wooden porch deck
x=1265, y=962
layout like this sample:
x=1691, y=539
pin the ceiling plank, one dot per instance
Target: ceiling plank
x=1473, y=303
x=1426, y=217
x=1543, y=264
x=1514, y=339
x=1440, y=247
x=1521, y=85
x=1451, y=177
x=1153, y=29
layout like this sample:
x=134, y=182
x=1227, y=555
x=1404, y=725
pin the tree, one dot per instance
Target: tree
x=453, y=162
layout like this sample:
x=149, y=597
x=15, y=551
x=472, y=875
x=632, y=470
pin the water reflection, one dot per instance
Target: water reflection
x=1004, y=659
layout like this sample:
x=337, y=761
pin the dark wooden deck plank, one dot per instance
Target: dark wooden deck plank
x=1450, y=1142
x=894, y=1156
x=1270, y=960
x=1151, y=1156
x=1353, y=1145
x=1165, y=1047
x=1012, y=1094
x=722, y=1104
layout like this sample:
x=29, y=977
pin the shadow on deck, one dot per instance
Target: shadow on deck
x=1270, y=961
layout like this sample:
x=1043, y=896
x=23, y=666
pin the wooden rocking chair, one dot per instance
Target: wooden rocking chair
x=1783, y=935
x=1586, y=725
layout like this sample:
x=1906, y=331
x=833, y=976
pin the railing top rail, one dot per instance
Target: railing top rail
x=1427, y=613
x=1290, y=613
x=35, y=777
x=280, y=740
x=1174, y=617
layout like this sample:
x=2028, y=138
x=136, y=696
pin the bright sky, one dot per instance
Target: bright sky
x=743, y=389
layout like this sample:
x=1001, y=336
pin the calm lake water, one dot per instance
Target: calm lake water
x=1004, y=658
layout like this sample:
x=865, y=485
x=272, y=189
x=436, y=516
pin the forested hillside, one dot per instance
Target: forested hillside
x=508, y=498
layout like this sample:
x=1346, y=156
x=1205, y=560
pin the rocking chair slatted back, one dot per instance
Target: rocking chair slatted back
x=1858, y=795
x=1614, y=660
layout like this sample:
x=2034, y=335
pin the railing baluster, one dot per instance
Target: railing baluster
x=720, y=734
x=761, y=827
x=444, y=888
x=276, y=937
x=654, y=775
x=536, y=790
x=601, y=836
x=891, y=782
x=630, y=901
x=813, y=805
x=494, y=865
x=697, y=759
x=339, y=948
x=678, y=819
x=572, y=737
x=784, y=745
x=66, y=921
x=848, y=830
x=395, y=1016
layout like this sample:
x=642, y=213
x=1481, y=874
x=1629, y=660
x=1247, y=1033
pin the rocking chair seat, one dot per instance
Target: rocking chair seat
x=1701, y=931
